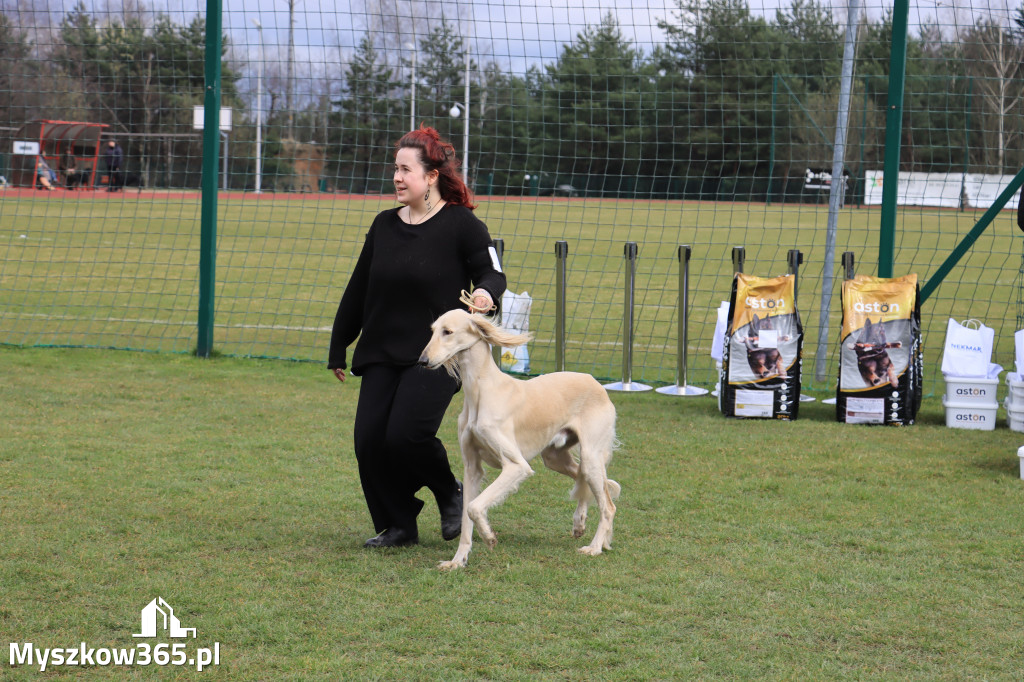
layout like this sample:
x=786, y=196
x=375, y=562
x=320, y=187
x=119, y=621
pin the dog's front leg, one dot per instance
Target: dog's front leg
x=514, y=470
x=472, y=479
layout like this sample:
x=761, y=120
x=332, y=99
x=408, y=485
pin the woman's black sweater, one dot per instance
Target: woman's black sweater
x=405, y=278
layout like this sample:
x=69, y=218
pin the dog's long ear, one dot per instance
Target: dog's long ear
x=497, y=335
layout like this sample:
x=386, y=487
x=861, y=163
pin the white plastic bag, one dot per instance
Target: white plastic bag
x=718, y=342
x=515, y=317
x=1018, y=340
x=968, y=349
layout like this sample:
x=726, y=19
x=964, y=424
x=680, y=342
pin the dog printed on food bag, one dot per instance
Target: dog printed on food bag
x=764, y=362
x=873, y=361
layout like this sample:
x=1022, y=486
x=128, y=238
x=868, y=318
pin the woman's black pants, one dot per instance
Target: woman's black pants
x=397, y=448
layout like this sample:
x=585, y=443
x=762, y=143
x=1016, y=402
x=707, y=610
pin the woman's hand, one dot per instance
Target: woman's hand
x=482, y=302
x=340, y=373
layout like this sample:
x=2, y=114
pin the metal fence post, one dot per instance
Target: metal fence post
x=848, y=273
x=208, y=211
x=681, y=388
x=893, y=133
x=627, y=383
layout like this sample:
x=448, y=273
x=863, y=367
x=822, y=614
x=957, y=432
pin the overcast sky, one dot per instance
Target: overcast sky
x=519, y=32
x=515, y=33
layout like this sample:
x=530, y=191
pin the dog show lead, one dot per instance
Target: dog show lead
x=416, y=263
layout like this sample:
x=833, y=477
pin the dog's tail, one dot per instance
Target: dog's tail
x=496, y=335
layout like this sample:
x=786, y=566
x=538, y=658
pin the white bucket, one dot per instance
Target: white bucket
x=1014, y=415
x=970, y=415
x=970, y=390
x=1016, y=386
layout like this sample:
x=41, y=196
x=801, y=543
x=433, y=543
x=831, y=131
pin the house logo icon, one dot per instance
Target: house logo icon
x=158, y=614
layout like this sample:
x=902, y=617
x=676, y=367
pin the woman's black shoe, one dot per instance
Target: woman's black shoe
x=451, y=515
x=393, y=537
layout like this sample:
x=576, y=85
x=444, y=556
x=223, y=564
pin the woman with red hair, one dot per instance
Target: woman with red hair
x=416, y=261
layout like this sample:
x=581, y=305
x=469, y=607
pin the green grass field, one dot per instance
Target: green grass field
x=120, y=271
x=743, y=549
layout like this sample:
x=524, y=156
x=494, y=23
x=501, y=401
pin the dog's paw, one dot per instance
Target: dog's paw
x=578, y=532
x=590, y=550
x=450, y=565
x=491, y=540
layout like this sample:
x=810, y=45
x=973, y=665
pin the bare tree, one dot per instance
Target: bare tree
x=994, y=55
x=996, y=59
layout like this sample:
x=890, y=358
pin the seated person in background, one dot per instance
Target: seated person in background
x=47, y=178
x=68, y=166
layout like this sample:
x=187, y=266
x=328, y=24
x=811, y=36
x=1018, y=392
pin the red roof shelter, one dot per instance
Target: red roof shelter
x=51, y=139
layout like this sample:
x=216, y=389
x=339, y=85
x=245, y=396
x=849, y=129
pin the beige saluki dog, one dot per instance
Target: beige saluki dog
x=506, y=422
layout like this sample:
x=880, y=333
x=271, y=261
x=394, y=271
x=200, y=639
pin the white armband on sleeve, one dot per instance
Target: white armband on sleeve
x=495, y=263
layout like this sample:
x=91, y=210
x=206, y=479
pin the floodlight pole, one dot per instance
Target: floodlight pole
x=465, y=125
x=259, y=111
x=412, y=83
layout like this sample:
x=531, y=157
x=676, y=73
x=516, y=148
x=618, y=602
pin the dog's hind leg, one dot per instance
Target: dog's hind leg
x=593, y=459
x=562, y=461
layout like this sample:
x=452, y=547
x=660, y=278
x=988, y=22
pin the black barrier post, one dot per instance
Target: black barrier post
x=561, y=256
x=681, y=388
x=795, y=259
x=848, y=265
x=627, y=383
x=739, y=254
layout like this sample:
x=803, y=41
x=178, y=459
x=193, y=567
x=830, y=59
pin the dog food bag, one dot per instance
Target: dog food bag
x=880, y=361
x=762, y=353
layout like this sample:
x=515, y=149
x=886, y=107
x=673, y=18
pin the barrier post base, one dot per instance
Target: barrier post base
x=684, y=391
x=627, y=386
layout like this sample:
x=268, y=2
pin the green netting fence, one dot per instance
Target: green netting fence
x=710, y=124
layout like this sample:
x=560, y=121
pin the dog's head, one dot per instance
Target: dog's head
x=457, y=331
x=872, y=338
x=873, y=335
x=753, y=332
x=759, y=323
